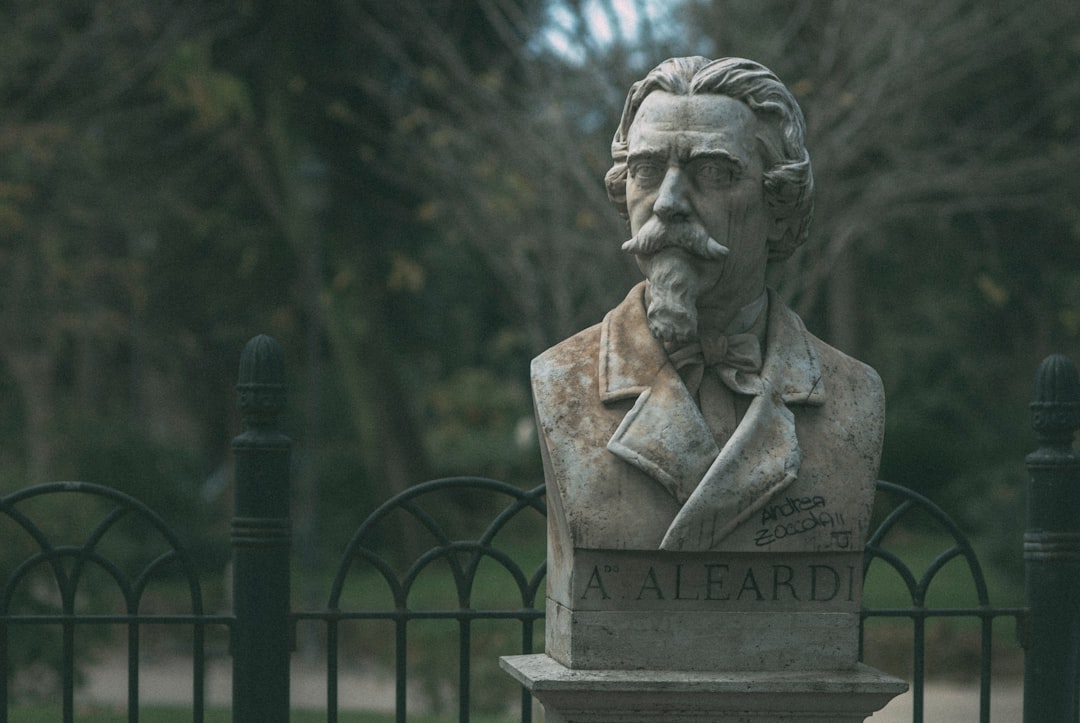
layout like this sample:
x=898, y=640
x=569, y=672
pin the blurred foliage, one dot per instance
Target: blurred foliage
x=408, y=195
x=943, y=250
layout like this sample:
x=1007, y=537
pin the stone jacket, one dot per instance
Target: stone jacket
x=631, y=464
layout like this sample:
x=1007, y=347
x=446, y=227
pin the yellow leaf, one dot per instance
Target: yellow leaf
x=405, y=274
x=994, y=292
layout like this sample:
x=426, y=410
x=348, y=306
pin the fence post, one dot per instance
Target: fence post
x=261, y=536
x=1052, y=548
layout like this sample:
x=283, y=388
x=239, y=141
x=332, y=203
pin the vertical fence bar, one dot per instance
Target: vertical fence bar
x=67, y=651
x=401, y=661
x=527, y=649
x=986, y=659
x=918, y=666
x=332, y=671
x=133, y=671
x=198, y=671
x=4, y=663
x=464, y=666
x=261, y=534
x=1052, y=548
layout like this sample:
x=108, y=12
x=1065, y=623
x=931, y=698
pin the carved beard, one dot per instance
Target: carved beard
x=671, y=295
x=686, y=267
x=666, y=252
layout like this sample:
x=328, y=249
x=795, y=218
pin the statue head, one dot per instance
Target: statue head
x=787, y=177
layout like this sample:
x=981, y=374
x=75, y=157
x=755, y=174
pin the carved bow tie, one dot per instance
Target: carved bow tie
x=736, y=359
x=739, y=351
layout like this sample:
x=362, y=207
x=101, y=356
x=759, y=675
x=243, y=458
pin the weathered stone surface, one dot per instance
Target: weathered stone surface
x=701, y=402
x=635, y=580
x=702, y=641
x=620, y=432
x=706, y=611
x=710, y=462
x=622, y=696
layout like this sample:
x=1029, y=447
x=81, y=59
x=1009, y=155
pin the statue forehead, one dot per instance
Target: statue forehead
x=667, y=118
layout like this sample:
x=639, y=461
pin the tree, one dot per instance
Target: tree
x=159, y=206
x=944, y=240
x=70, y=282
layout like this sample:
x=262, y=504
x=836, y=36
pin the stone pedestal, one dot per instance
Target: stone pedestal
x=647, y=696
x=704, y=611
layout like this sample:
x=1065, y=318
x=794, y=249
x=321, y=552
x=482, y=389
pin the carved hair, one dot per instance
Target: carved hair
x=788, y=179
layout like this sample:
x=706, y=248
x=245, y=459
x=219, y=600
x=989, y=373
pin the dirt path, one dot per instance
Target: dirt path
x=951, y=703
x=168, y=681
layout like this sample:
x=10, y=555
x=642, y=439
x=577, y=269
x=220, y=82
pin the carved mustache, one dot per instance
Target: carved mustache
x=691, y=237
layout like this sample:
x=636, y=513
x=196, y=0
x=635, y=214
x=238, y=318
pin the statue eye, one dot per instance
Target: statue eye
x=646, y=171
x=714, y=173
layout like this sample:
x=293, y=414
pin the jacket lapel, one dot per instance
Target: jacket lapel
x=762, y=458
x=791, y=363
x=664, y=434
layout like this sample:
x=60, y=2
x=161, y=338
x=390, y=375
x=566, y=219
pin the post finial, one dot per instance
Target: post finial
x=261, y=383
x=1055, y=411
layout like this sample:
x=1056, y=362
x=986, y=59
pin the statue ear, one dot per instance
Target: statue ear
x=779, y=238
x=779, y=228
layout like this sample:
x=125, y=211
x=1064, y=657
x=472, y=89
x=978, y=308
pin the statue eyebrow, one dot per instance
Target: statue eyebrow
x=718, y=154
x=647, y=154
x=661, y=155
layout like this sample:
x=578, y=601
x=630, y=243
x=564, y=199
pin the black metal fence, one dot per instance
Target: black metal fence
x=903, y=504
x=458, y=564
x=48, y=588
x=462, y=577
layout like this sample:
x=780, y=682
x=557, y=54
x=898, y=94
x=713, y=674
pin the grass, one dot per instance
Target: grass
x=953, y=585
x=953, y=644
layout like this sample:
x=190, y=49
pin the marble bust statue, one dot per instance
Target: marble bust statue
x=700, y=414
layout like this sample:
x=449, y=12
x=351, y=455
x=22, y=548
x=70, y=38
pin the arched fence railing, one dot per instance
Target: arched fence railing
x=423, y=558
x=47, y=587
x=435, y=508
x=439, y=537
x=904, y=505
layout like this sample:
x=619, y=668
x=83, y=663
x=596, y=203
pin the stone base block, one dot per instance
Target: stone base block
x=701, y=641
x=644, y=696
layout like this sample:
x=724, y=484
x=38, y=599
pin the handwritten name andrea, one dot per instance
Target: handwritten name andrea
x=790, y=506
x=840, y=535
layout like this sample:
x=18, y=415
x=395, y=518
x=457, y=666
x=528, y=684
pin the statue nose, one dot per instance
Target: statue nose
x=671, y=202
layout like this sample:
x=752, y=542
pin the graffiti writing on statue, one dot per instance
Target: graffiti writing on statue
x=799, y=515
